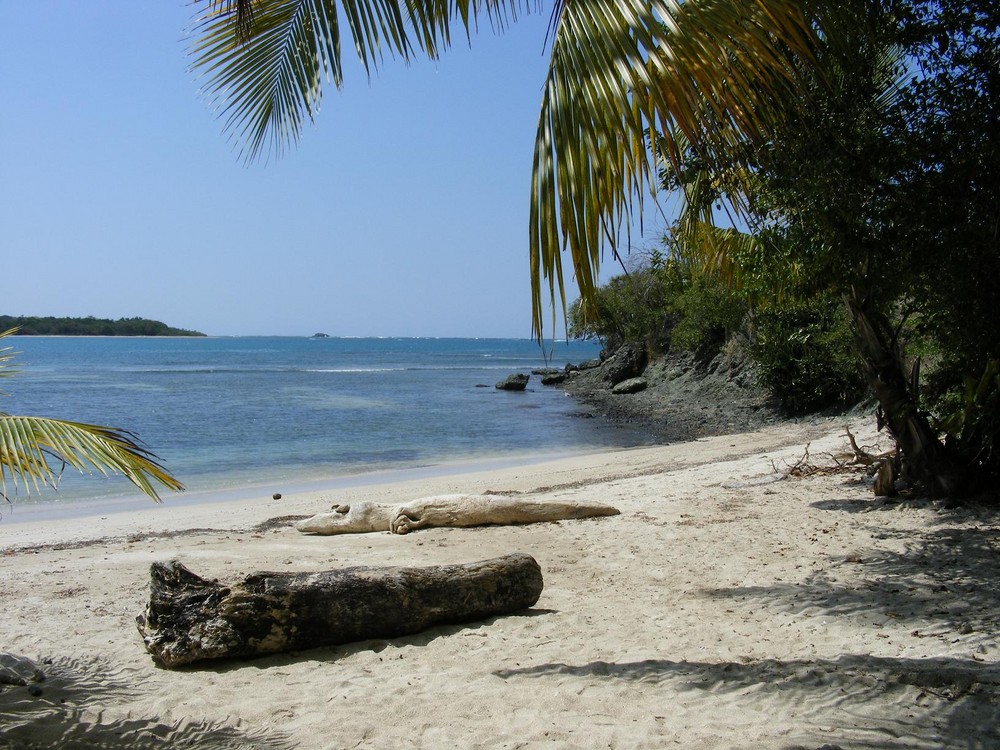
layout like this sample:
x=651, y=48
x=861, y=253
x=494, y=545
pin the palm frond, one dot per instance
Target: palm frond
x=7, y=355
x=31, y=446
x=266, y=61
x=704, y=73
x=270, y=79
x=619, y=69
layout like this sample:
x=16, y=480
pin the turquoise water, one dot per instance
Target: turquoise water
x=226, y=413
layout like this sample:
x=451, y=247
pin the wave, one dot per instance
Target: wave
x=420, y=368
x=331, y=370
x=286, y=369
x=349, y=370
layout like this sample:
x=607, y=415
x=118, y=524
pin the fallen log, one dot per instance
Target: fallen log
x=190, y=619
x=445, y=510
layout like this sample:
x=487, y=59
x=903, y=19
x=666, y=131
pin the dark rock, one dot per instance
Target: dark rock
x=570, y=367
x=276, y=496
x=516, y=382
x=669, y=410
x=543, y=371
x=632, y=385
x=589, y=364
x=554, y=379
x=628, y=362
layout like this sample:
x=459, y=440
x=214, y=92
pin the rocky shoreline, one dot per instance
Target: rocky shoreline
x=682, y=399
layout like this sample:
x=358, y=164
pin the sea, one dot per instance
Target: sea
x=234, y=416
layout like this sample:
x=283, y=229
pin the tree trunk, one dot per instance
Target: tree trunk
x=924, y=457
x=189, y=619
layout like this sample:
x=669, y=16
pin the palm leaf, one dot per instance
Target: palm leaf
x=7, y=354
x=704, y=74
x=708, y=71
x=266, y=60
x=30, y=446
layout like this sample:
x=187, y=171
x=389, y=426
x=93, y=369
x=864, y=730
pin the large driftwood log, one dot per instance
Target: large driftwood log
x=189, y=619
x=445, y=510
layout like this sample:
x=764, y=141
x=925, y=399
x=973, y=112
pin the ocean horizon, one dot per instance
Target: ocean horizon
x=234, y=415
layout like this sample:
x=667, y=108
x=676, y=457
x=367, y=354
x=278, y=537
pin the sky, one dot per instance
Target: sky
x=403, y=210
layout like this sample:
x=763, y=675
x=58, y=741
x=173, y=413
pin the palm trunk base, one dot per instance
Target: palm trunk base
x=924, y=459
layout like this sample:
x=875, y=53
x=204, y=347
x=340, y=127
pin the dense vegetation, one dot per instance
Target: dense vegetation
x=803, y=350
x=874, y=248
x=90, y=326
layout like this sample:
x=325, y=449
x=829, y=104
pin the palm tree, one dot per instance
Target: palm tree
x=619, y=69
x=34, y=450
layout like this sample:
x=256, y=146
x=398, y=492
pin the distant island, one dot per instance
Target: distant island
x=90, y=326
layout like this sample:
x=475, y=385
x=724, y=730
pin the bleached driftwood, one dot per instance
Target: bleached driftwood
x=445, y=510
x=191, y=619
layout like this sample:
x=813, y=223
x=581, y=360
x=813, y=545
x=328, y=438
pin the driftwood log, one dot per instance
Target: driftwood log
x=190, y=619
x=445, y=510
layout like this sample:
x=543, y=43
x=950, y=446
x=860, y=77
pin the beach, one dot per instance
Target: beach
x=748, y=595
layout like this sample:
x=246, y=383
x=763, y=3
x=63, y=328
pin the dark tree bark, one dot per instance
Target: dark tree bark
x=925, y=459
x=190, y=619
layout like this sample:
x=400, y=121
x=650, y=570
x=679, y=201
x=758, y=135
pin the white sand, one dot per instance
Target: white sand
x=717, y=611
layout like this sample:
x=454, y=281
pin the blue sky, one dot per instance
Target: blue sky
x=402, y=212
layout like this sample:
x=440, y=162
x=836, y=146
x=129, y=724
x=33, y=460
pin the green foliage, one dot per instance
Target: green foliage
x=805, y=355
x=802, y=346
x=665, y=302
x=706, y=314
x=90, y=326
x=972, y=419
x=633, y=307
x=948, y=208
x=886, y=188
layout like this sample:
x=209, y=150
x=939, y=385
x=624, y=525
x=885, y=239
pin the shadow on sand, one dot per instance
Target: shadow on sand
x=74, y=711
x=850, y=702
x=945, y=584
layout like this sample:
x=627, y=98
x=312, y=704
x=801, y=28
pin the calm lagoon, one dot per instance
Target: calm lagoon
x=231, y=415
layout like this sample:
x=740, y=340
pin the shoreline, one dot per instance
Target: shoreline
x=726, y=606
x=120, y=519
x=75, y=509
x=683, y=403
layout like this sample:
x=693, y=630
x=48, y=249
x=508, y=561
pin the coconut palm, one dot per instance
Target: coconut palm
x=34, y=450
x=619, y=69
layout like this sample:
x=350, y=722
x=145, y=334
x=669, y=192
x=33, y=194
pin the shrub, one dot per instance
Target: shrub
x=805, y=355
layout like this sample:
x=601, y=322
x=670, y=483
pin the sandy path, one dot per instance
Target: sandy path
x=716, y=611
